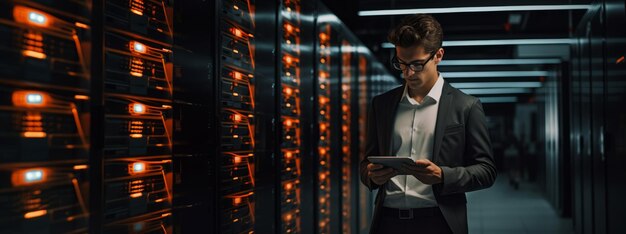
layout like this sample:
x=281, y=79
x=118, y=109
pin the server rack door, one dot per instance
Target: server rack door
x=575, y=117
x=44, y=116
x=597, y=92
x=236, y=88
x=267, y=66
x=585, y=134
x=615, y=115
x=308, y=86
x=194, y=135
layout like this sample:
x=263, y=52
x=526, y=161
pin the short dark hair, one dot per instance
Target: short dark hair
x=417, y=30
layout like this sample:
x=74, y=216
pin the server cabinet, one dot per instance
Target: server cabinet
x=236, y=111
x=349, y=133
x=294, y=74
x=44, y=115
x=194, y=136
x=327, y=71
x=363, y=211
x=137, y=95
x=290, y=112
x=149, y=116
x=614, y=115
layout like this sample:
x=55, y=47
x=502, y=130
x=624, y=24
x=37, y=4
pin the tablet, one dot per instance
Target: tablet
x=391, y=161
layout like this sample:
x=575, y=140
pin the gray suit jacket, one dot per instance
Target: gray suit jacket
x=462, y=149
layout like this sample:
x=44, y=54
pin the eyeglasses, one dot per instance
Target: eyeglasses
x=414, y=66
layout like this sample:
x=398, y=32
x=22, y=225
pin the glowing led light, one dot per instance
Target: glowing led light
x=35, y=214
x=136, y=195
x=80, y=167
x=237, y=159
x=237, y=32
x=34, y=98
x=138, y=47
x=237, y=117
x=237, y=200
x=33, y=175
x=81, y=97
x=34, y=134
x=137, y=12
x=34, y=54
x=236, y=7
x=81, y=25
x=139, y=167
x=288, y=186
x=288, y=91
x=138, y=108
x=288, y=123
x=36, y=18
x=323, y=36
x=237, y=75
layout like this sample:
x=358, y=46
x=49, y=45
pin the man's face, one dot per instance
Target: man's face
x=416, y=54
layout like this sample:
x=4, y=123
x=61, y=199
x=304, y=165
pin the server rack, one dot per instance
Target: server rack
x=137, y=94
x=143, y=122
x=44, y=114
x=323, y=87
x=290, y=113
x=348, y=133
x=195, y=117
x=236, y=88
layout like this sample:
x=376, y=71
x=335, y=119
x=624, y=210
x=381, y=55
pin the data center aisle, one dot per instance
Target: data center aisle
x=502, y=209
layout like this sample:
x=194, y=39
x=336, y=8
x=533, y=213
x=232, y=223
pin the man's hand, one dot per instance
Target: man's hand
x=425, y=171
x=378, y=174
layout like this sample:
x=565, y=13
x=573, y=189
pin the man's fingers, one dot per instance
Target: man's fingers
x=422, y=163
x=374, y=166
x=385, y=174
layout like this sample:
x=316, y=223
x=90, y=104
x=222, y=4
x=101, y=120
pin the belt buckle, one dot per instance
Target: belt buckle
x=405, y=213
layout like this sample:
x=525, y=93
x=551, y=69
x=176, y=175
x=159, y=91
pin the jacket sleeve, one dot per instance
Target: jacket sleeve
x=479, y=170
x=371, y=145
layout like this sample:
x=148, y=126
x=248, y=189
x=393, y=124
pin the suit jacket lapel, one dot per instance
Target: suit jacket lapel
x=389, y=112
x=444, y=106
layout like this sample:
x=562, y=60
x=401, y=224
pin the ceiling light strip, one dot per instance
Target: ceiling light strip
x=506, y=99
x=488, y=74
x=473, y=9
x=479, y=62
x=473, y=85
x=544, y=41
x=496, y=91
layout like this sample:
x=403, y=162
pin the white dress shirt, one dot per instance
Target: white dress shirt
x=413, y=136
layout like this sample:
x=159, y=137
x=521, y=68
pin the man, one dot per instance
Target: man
x=439, y=127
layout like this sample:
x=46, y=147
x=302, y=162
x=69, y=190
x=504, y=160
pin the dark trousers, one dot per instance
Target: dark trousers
x=416, y=221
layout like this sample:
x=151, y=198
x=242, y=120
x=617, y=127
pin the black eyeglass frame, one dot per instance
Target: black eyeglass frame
x=413, y=65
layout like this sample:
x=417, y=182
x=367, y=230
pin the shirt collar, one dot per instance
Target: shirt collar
x=434, y=93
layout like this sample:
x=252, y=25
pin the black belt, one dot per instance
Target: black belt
x=410, y=213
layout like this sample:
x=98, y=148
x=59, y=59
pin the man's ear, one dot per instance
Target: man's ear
x=439, y=55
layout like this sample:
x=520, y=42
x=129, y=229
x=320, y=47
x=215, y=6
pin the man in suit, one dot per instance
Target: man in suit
x=442, y=129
